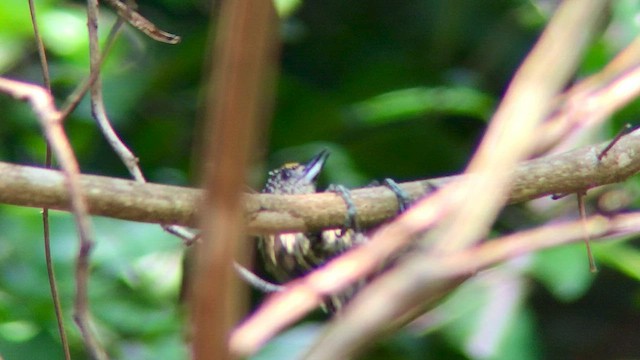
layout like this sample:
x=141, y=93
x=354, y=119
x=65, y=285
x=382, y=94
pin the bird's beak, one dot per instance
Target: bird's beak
x=315, y=165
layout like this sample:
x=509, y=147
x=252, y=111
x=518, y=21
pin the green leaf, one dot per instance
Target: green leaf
x=405, y=103
x=564, y=271
x=621, y=256
x=286, y=8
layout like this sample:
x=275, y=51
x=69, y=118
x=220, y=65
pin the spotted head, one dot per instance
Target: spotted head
x=296, y=178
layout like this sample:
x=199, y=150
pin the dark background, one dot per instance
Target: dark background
x=397, y=89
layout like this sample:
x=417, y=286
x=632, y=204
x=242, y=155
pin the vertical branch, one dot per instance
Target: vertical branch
x=82, y=315
x=238, y=99
x=46, y=233
x=587, y=237
x=42, y=54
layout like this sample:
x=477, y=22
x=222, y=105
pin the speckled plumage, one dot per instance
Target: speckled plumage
x=287, y=256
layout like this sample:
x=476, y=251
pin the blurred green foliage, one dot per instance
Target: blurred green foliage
x=394, y=89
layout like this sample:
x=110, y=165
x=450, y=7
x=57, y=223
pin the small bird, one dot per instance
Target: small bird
x=289, y=255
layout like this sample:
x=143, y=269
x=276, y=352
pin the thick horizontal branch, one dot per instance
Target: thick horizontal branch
x=568, y=172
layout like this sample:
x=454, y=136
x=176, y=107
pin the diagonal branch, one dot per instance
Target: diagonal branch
x=141, y=23
x=433, y=272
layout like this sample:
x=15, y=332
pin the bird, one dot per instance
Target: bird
x=289, y=255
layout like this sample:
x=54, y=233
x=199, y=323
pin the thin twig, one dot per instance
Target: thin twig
x=139, y=22
x=587, y=238
x=624, y=131
x=46, y=233
x=255, y=281
x=82, y=315
x=187, y=236
x=592, y=101
x=73, y=100
x=42, y=54
x=100, y=114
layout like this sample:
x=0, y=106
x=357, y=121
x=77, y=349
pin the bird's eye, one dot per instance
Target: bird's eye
x=285, y=175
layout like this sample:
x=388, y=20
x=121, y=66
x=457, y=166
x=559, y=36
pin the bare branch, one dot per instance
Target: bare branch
x=99, y=111
x=239, y=97
x=118, y=198
x=141, y=23
x=564, y=173
x=46, y=233
x=73, y=100
x=431, y=272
